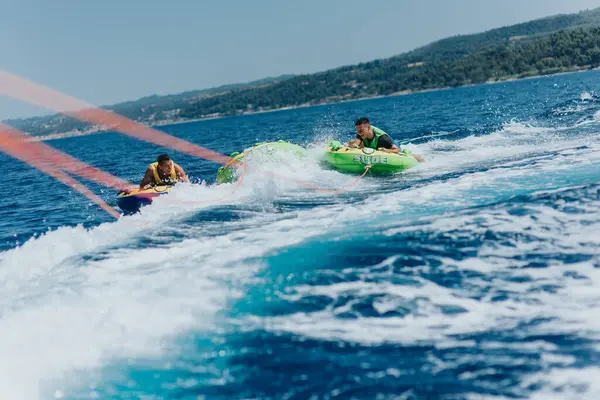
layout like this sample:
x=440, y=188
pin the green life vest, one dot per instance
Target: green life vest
x=375, y=141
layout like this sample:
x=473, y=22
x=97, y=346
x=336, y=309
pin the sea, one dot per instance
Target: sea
x=475, y=275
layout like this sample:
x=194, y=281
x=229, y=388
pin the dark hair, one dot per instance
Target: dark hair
x=360, y=121
x=162, y=158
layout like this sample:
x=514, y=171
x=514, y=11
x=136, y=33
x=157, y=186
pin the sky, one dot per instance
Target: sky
x=107, y=51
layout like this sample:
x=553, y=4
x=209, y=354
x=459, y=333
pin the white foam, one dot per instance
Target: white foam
x=426, y=324
x=586, y=96
x=543, y=231
x=566, y=384
x=60, y=311
x=514, y=140
x=479, y=396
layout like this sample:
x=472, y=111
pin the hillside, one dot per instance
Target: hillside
x=544, y=46
x=157, y=100
x=461, y=45
x=153, y=109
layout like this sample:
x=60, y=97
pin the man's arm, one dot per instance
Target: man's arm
x=181, y=174
x=385, y=144
x=354, y=143
x=396, y=150
x=148, y=178
x=418, y=157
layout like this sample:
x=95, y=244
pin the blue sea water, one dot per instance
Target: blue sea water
x=473, y=276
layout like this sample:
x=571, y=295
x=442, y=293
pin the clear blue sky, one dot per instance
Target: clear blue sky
x=106, y=51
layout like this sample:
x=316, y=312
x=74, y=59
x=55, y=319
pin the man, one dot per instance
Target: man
x=375, y=138
x=163, y=172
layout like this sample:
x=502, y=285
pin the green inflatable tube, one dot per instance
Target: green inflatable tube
x=227, y=173
x=355, y=160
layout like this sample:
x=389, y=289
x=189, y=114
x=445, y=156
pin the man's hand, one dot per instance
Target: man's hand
x=127, y=189
x=394, y=150
x=354, y=144
x=181, y=176
x=147, y=180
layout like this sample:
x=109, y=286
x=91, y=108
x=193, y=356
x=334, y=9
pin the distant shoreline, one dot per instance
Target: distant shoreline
x=94, y=131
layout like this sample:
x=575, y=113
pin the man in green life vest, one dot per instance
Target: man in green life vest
x=375, y=138
x=163, y=172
